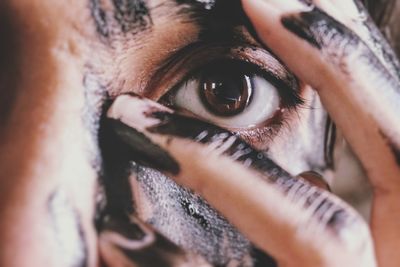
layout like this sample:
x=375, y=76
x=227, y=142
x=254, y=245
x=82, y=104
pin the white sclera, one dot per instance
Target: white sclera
x=264, y=103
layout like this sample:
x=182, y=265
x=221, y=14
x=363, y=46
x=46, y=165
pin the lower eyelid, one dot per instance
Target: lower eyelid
x=262, y=136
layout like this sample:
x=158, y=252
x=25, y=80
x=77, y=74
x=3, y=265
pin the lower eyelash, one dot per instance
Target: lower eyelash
x=261, y=137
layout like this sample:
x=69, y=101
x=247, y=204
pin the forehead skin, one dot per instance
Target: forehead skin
x=139, y=40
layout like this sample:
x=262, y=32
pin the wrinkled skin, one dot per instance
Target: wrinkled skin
x=60, y=169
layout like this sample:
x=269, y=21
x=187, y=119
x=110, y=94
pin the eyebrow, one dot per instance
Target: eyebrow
x=134, y=16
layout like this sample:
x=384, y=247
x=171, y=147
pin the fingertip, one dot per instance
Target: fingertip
x=316, y=179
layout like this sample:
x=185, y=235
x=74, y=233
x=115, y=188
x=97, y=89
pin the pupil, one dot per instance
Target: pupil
x=225, y=93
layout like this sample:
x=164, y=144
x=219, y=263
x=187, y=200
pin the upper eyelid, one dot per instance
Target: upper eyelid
x=187, y=60
x=250, y=53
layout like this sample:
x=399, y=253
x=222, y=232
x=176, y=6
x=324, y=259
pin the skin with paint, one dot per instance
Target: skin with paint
x=101, y=190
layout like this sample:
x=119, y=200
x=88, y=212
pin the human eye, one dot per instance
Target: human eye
x=246, y=90
x=230, y=93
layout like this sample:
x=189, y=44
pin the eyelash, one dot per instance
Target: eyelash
x=288, y=86
x=289, y=93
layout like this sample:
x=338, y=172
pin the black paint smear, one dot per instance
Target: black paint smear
x=100, y=18
x=338, y=41
x=262, y=260
x=329, y=143
x=132, y=15
x=337, y=219
x=185, y=127
x=143, y=150
x=240, y=151
x=176, y=125
x=85, y=260
x=301, y=28
x=319, y=29
x=114, y=175
x=307, y=2
x=388, y=54
x=186, y=205
x=322, y=207
x=11, y=56
x=324, y=32
x=117, y=157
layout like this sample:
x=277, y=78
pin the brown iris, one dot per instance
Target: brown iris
x=225, y=89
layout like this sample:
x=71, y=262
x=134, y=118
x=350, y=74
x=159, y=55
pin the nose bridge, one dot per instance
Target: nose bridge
x=47, y=182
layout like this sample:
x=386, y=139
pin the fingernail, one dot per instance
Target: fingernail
x=316, y=179
x=136, y=111
x=130, y=117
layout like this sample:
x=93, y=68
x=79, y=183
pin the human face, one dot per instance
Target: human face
x=63, y=62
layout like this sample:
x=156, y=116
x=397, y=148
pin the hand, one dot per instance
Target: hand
x=340, y=53
x=347, y=66
x=287, y=217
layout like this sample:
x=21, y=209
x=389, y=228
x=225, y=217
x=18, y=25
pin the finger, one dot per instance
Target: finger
x=119, y=240
x=286, y=217
x=354, y=16
x=358, y=91
x=128, y=242
x=349, y=86
x=315, y=179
